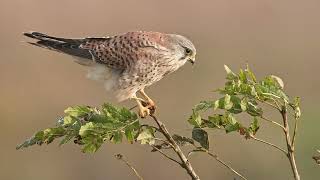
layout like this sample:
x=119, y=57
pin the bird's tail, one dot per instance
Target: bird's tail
x=63, y=45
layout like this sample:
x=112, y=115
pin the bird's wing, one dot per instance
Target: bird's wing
x=63, y=45
x=117, y=52
x=120, y=52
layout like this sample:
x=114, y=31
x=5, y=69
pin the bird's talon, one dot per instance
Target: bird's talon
x=144, y=112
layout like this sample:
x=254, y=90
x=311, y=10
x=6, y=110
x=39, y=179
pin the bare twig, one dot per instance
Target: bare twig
x=165, y=155
x=122, y=158
x=199, y=149
x=294, y=133
x=185, y=162
x=278, y=124
x=290, y=154
x=270, y=144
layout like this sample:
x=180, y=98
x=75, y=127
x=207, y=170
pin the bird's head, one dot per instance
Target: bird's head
x=184, y=49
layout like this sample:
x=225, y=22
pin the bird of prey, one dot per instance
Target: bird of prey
x=126, y=63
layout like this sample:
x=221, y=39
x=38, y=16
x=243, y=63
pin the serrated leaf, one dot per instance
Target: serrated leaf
x=215, y=121
x=201, y=136
x=117, y=137
x=243, y=104
x=195, y=119
x=254, y=126
x=78, y=111
x=68, y=120
x=253, y=109
x=278, y=80
x=242, y=76
x=91, y=144
x=227, y=103
x=231, y=124
x=250, y=74
x=146, y=136
x=130, y=133
x=230, y=75
x=232, y=127
x=203, y=106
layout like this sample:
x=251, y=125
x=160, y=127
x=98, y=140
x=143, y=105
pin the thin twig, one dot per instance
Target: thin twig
x=270, y=144
x=290, y=154
x=122, y=158
x=185, y=162
x=200, y=149
x=278, y=124
x=225, y=164
x=294, y=133
x=165, y=155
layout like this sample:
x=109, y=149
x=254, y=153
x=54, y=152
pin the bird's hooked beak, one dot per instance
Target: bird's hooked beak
x=192, y=60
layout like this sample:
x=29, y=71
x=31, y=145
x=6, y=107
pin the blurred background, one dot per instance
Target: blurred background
x=274, y=37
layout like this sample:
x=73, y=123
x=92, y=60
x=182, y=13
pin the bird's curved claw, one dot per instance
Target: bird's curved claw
x=149, y=105
x=144, y=112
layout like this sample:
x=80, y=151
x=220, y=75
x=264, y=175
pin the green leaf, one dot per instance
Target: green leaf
x=203, y=106
x=146, y=136
x=253, y=109
x=195, y=119
x=227, y=103
x=296, y=107
x=242, y=76
x=201, y=136
x=250, y=74
x=68, y=120
x=215, y=121
x=278, y=80
x=78, y=111
x=117, y=137
x=91, y=144
x=230, y=75
x=254, y=126
x=130, y=133
x=231, y=123
x=230, y=103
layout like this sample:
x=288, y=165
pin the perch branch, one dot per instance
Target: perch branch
x=185, y=162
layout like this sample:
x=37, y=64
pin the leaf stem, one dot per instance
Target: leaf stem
x=268, y=143
x=122, y=158
x=185, y=162
x=294, y=133
x=215, y=156
x=278, y=124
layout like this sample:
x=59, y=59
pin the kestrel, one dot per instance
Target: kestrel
x=126, y=63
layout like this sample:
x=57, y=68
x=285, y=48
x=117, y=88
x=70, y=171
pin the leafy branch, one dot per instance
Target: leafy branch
x=90, y=127
x=244, y=94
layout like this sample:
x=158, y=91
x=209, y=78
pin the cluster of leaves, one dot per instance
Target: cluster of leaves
x=242, y=93
x=91, y=127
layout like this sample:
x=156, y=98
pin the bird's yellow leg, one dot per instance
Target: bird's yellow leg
x=143, y=111
x=150, y=102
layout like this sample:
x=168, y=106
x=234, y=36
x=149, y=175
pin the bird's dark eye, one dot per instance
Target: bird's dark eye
x=188, y=51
